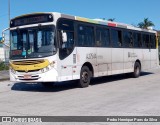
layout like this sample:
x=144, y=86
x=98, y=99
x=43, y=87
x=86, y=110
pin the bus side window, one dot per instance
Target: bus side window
x=102, y=37
x=140, y=44
x=128, y=39
x=105, y=38
x=116, y=36
x=153, y=41
x=120, y=38
x=137, y=40
x=145, y=41
x=98, y=38
x=81, y=36
x=86, y=36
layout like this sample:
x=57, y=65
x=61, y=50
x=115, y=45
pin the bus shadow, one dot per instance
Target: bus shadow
x=62, y=86
x=112, y=78
x=38, y=87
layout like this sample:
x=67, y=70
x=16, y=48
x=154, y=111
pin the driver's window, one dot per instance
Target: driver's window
x=70, y=41
x=66, y=47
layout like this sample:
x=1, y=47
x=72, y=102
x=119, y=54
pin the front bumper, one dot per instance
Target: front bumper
x=49, y=76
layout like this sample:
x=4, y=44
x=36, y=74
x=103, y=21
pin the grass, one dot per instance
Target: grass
x=3, y=66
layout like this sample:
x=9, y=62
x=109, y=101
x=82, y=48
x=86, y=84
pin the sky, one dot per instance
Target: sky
x=124, y=11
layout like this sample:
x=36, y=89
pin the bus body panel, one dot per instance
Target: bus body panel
x=66, y=67
x=146, y=60
x=154, y=59
x=87, y=54
x=104, y=61
x=117, y=60
x=129, y=60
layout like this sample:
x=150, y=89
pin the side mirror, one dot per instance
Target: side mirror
x=2, y=39
x=64, y=36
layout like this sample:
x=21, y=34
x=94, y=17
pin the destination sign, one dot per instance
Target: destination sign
x=31, y=19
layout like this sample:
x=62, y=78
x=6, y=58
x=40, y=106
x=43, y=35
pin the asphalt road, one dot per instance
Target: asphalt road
x=117, y=95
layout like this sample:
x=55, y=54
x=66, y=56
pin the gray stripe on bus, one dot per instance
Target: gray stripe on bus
x=68, y=16
x=121, y=26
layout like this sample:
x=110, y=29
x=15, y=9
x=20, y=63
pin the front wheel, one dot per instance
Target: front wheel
x=85, y=77
x=137, y=70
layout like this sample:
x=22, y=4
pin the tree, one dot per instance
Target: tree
x=111, y=19
x=145, y=24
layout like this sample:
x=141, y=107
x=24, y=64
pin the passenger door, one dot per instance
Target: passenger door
x=66, y=49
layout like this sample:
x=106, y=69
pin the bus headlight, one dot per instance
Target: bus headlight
x=43, y=70
x=47, y=68
x=52, y=64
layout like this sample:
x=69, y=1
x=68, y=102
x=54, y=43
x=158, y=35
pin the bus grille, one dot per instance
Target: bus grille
x=35, y=77
x=28, y=62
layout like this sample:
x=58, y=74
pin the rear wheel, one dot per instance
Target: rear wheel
x=48, y=84
x=137, y=70
x=85, y=77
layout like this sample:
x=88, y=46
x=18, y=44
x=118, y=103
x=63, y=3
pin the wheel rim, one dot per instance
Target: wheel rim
x=85, y=77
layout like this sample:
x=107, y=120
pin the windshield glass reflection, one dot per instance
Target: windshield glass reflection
x=33, y=42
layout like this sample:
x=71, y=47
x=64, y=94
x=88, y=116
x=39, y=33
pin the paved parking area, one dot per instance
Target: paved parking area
x=107, y=96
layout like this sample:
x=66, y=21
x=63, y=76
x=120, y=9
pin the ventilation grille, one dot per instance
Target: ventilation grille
x=28, y=62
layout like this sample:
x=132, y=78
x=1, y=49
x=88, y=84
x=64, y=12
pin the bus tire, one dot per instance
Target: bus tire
x=85, y=77
x=137, y=70
x=47, y=84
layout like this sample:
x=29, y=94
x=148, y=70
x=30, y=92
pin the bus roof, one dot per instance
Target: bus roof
x=94, y=21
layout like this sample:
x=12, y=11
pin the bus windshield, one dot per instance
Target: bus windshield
x=35, y=42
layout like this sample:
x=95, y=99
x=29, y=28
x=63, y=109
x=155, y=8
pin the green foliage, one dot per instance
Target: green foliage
x=145, y=24
x=111, y=19
x=3, y=66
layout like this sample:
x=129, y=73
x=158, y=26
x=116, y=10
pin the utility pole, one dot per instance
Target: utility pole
x=9, y=12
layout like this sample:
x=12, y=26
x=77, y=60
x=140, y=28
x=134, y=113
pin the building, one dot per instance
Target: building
x=4, y=52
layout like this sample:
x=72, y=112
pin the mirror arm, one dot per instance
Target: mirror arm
x=3, y=37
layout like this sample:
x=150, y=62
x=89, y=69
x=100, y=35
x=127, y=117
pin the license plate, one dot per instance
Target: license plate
x=27, y=76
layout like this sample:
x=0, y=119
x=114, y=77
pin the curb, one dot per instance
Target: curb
x=4, y=79
x=4, y=75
